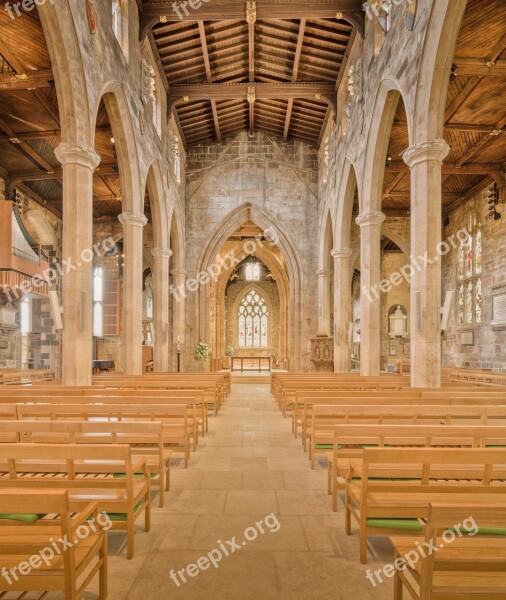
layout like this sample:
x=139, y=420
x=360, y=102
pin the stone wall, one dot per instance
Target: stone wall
x=489, y=349
x=277, y=179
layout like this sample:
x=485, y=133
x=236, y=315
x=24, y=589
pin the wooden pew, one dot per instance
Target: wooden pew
x=124, y=499
x=415, y=478
x=350, y=440
x=26, y=545
x=396, y=400
x=464, y=565
x=177, y=429
x=144, y=438
x=198, y=407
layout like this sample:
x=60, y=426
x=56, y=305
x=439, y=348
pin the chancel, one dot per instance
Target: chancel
x=252, y=299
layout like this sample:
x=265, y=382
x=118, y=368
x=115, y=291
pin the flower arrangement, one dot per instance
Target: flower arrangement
x=229, y=351
x=203, y=352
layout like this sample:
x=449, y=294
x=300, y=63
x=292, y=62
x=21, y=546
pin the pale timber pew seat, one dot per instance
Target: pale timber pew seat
x=21, y=545
x=469, y=567
x=351, y=440
x=177, y=428
x=389, y=492
x=144, y=438
x=87, y=472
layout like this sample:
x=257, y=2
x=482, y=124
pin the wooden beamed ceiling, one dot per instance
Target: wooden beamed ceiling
x=271, y=66
x=475, y=116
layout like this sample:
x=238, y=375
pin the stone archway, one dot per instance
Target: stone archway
x=244, y=214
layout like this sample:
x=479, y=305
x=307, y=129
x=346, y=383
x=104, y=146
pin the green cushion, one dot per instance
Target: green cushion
x=122, y=516
x=492, y=531
x=492, y=446
x=25, y=518
x=403, y=524
x=324, y=446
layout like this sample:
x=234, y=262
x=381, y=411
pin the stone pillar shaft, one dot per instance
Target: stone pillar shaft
x=325, y=302
x=342, y=302
x=370, y=304
x=132, y=292
x=425, y=162
x=161, y=259
x=178, y=317
x=78, y=164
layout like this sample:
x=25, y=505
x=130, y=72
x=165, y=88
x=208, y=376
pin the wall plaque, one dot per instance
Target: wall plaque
x=467, y=338
x=499, y=308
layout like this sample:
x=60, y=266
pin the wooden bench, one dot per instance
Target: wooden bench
x=69, y=466
x=350, y=441
x=177, y=428
x=317, y=420
x=464, y=566
x=324, y=417
x=27, y=549
x=388, y=492
x=144, y=438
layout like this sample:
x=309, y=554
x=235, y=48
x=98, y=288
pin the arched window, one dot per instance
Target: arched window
x=120, y=23
x=253, y=321
x=149, y=303
x=98, y=301
x=253, y=271
x=469, y=284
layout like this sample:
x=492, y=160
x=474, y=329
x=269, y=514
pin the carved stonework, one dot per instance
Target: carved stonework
x=252, y=94
x=322, y=353
x=251, y=12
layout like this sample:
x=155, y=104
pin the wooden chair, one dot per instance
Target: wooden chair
x=30, y=546
x=467, y=567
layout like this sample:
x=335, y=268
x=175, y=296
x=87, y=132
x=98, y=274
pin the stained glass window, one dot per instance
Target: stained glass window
x=478, y=300
x=253, y=321
x=460, y=304
x=469, y=303
x=469, y=288
x=478, y=255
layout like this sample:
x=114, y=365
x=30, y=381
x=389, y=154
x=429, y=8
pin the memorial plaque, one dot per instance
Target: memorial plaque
x=499, y=311
x=467, y=338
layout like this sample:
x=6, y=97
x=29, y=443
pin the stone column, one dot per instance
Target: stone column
x=178, y=317
x=324, y=303
x=342, y=303
x=425, y=160
x=133, y=224
x=370, y=305
x=78, y=164
x=161, y=260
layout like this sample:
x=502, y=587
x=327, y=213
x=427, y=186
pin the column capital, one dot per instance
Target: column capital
x=85, y=156
x=341, y=253
x=131, y=218
x=369, y=219
x=161, y=252
x=436, y=150
x=179, y=273
x=323, y=272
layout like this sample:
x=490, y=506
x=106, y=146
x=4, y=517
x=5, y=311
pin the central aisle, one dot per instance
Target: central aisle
x=248, y=466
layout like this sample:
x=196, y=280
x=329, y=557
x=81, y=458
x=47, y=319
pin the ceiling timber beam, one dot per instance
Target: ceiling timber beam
x=156, y=11
x=26, y=81
x=239, y=91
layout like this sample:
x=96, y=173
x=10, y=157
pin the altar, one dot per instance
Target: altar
x=252, y=363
